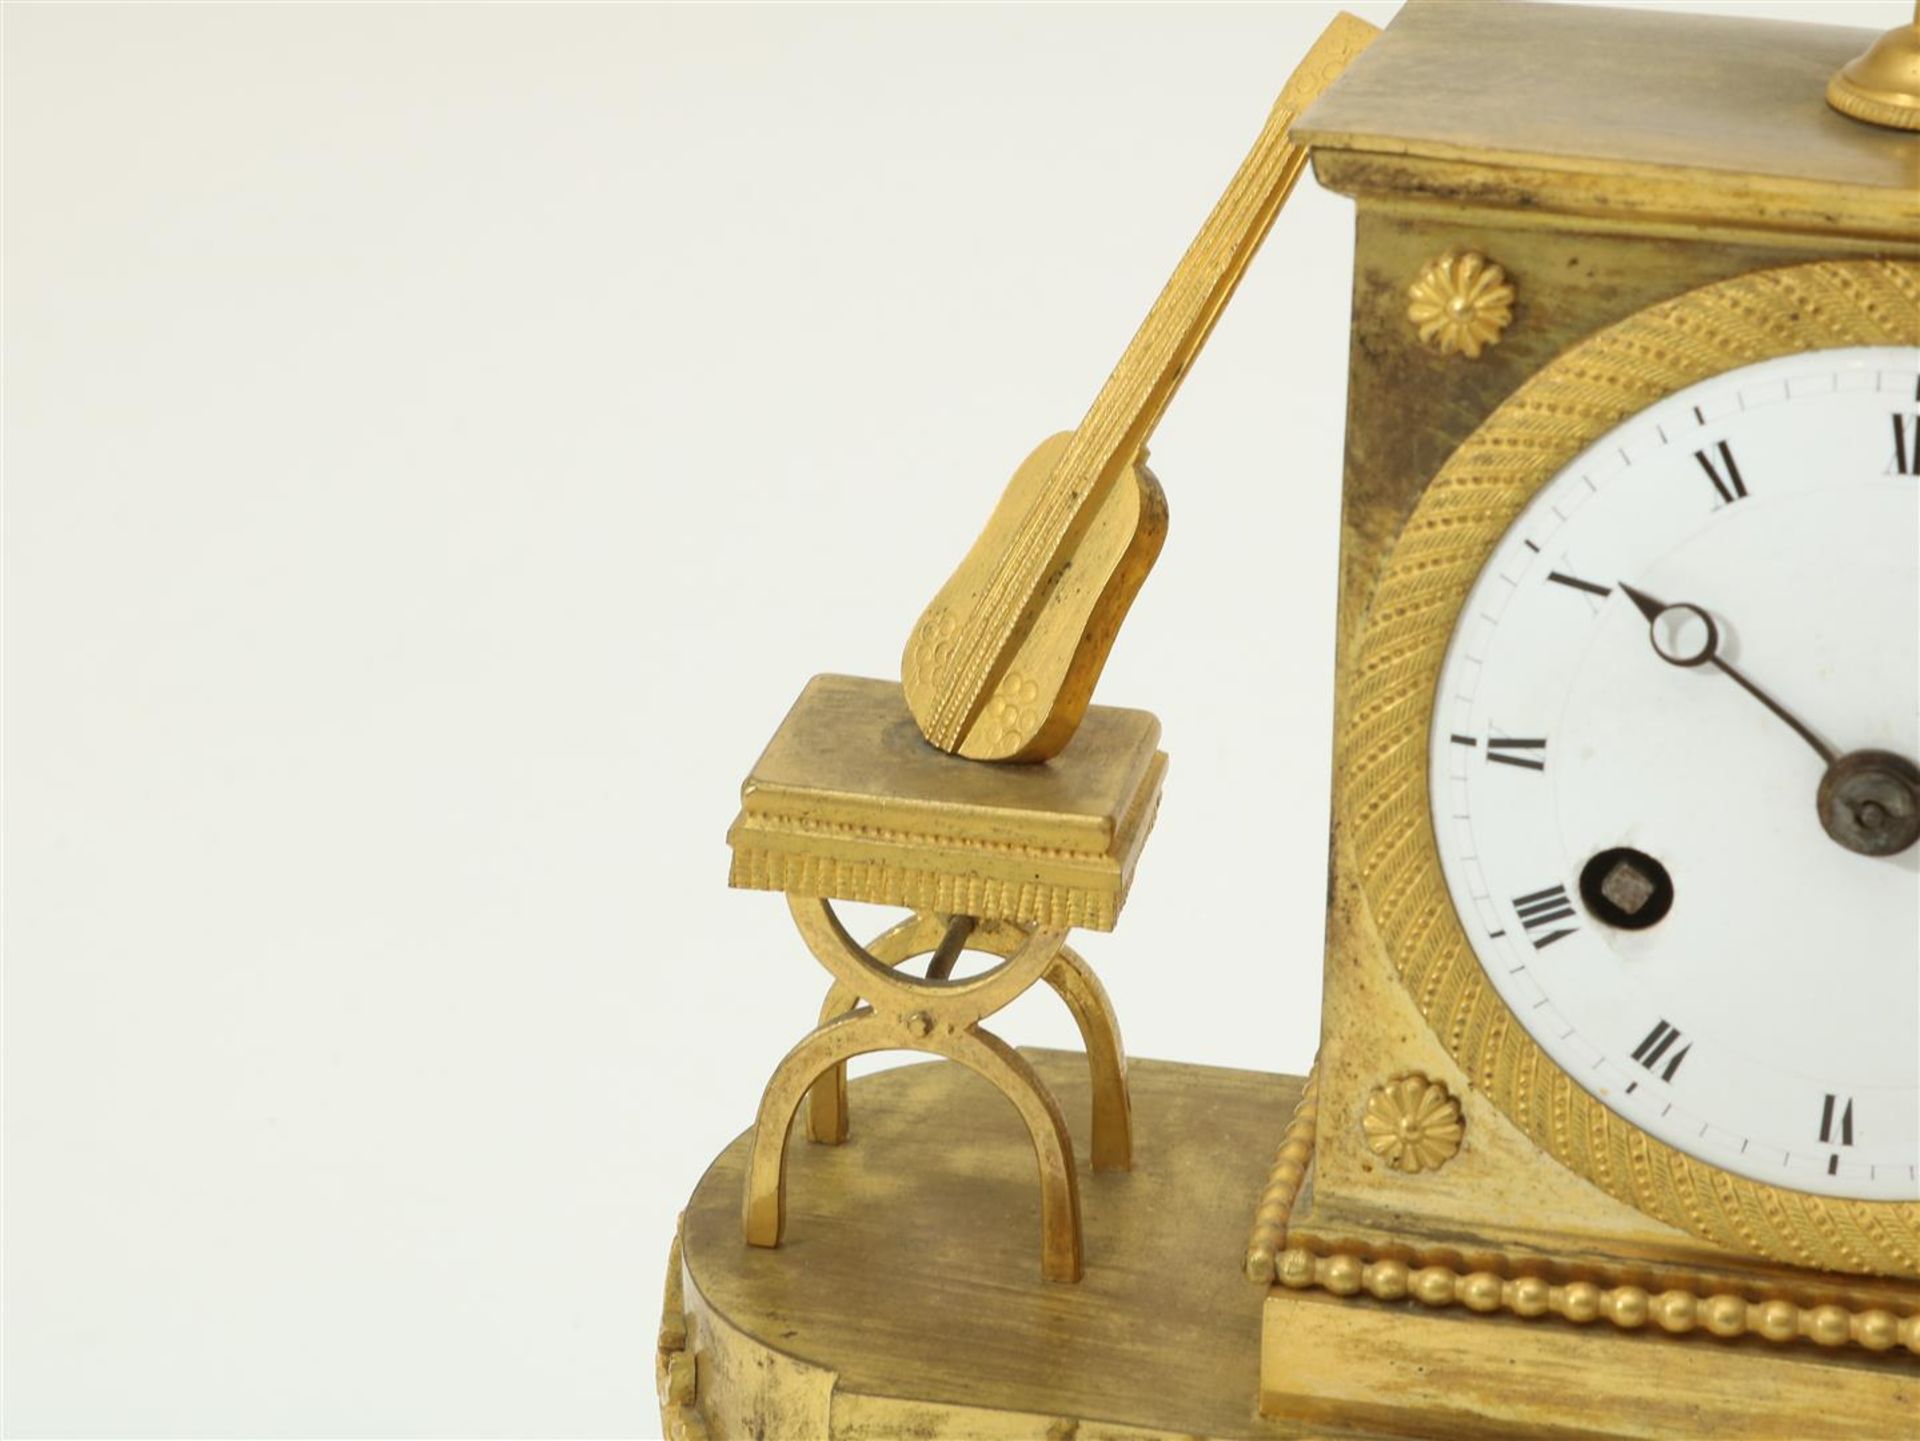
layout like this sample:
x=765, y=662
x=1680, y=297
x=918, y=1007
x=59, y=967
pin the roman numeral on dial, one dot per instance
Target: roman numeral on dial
x=1725, y=475
x=1573, y=582
x=1542, y=910
x=1513, y=751
x=1662, y=1039
x=1906, y=446
x=1526, y=752
x=1836, y=1121
x=1836, y=1127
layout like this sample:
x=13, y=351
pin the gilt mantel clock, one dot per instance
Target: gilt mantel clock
x=1615, y=1125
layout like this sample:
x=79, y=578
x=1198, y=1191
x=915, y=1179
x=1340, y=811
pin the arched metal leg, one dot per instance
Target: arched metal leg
x=1074, y=981
x=764, y=1214
x=859, y=972
x=827, y=1101
x=987, y=1056
x=827, y=1108
x=764, y=1209
x=1071, y=978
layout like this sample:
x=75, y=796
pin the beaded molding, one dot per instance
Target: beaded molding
x=1270, y=1261
x=1269, y=1236
x=1630, y=1308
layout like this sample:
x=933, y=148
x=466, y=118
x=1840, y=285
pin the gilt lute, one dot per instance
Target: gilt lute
x=1003, y=662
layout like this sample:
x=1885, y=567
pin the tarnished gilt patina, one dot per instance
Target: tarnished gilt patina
x=1615, y=162
x=850, y=803
x=1881, y=86
x=1608, y=162
x=907, y=1304
x=848, y=800
x=1574, y=116
x=1003, y=661
x=911, y=1308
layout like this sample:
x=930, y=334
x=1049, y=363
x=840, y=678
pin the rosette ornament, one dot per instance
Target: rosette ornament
x=1461, y=303
x=1413, y=1123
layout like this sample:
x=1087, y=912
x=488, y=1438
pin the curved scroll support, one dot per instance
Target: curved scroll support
x=1071, y=978
x=764, y=1211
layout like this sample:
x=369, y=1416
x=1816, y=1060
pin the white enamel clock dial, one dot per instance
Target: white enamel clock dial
x=1694, y=624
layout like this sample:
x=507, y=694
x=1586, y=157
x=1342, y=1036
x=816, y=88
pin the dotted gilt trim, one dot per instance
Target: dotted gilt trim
x=1630, y=1308
x=1852, y=101
x=1383, y=748
x=1290, y=1163
x=1031, y=903
x=795, y=823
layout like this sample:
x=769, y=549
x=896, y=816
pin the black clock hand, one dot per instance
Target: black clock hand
x=1708, y=653
x=1869, y=800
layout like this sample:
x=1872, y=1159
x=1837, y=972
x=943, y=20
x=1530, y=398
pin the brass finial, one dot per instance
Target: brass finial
x=1882, y=85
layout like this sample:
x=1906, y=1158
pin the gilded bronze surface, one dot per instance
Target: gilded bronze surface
x=1882, y=85
x=1413, y=1123
x=1460, y=304
x=907, y=1303
x=1587, y=249
x=1383, y=749
x=1070, y=977
x=1291, y=1161
x=1466, y=1365
x=832, y=1338
x=849, y=801
x=1001, y=664
x=1556, y=1274
x=1692, y=122
x=941, y=1018
x=1675, y=1310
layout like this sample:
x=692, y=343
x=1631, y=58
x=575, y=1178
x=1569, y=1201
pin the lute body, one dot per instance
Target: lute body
x=1047, y=671
x=1001, y=665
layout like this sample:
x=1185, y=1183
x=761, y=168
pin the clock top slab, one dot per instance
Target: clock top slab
x=1690, y=118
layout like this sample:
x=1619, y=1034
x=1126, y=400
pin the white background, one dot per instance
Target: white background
x=441, y=440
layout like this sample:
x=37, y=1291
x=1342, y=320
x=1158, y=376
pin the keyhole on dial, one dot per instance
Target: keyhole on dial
x=1626, y=888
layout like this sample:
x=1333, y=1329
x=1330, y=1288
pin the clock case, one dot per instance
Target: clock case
x=1608, y=162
